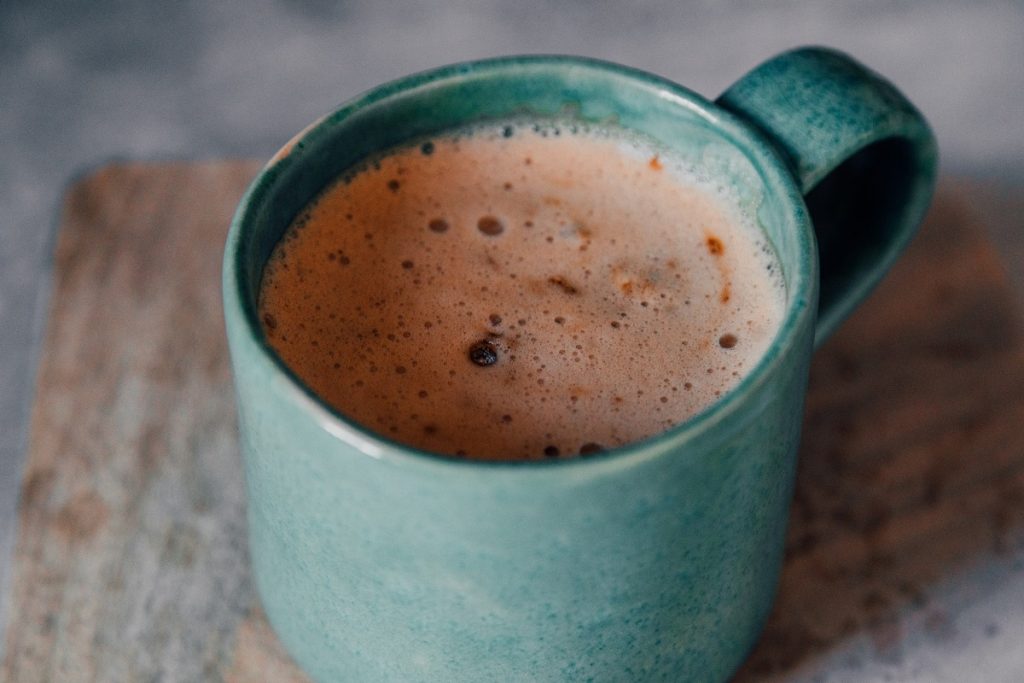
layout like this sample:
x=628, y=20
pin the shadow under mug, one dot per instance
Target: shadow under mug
x=655, y=561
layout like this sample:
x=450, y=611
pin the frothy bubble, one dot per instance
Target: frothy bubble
x=490, y=226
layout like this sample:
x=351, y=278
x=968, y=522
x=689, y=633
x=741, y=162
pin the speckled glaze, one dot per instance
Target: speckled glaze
x=655, y=562
x=823, y=110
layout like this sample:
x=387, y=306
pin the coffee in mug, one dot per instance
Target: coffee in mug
x=522, y=291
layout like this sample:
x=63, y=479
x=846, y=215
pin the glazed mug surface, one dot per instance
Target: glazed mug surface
x=655, y=561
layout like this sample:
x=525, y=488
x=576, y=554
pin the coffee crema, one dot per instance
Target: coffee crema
x=521, y=292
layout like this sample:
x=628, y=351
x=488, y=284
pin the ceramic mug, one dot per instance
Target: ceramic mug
x=655, y=561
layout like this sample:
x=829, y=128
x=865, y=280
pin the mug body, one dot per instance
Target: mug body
x=656, y=561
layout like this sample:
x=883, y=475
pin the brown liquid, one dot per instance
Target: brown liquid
x=521, y=296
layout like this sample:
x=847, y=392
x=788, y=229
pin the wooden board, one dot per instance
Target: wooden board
x=131, y=562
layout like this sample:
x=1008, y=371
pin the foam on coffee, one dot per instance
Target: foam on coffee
x=522, y=292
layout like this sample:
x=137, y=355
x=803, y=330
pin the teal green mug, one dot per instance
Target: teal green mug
x=657, y=561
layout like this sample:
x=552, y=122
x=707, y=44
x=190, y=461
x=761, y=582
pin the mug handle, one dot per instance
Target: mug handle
x=862, y=155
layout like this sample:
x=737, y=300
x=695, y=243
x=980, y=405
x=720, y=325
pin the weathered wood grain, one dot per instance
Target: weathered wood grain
x=132, y=565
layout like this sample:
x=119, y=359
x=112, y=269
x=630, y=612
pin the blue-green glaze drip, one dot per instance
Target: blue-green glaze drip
x=657, y=561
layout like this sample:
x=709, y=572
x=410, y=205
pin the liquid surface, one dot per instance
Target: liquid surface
x=509, y=294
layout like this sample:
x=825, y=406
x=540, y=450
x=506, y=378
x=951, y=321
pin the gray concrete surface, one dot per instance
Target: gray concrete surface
x=84, y=82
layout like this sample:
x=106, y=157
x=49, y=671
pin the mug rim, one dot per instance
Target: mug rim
x=775, y=174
